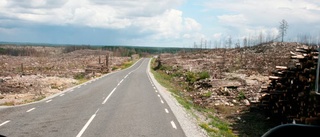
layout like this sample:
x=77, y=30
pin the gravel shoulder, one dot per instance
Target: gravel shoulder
x=186, y=120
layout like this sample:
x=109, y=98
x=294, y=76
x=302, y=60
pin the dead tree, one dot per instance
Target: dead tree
x=283, y=28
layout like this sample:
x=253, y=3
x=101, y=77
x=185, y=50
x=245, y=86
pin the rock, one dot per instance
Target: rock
x=246, y=102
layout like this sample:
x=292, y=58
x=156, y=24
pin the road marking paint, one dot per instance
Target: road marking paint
x=61, y=95
x=162, y=101
x=4, y=123
x=109, y=96
x=97, y=111
x=159, y=95
x=173, y=125
x=79, y=86
x=86, y=125
x=30, y=110
x=167, y=111
x=48, y=101
x=154, y=87
x=156, y=90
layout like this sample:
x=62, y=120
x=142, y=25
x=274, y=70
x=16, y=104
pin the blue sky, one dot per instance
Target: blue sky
x=169, y=23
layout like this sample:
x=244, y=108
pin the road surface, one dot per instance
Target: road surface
x=121, y=104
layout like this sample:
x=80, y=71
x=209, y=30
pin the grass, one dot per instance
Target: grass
x=10, y=103
x=213, y=125
x=81, y=78
x=126, y=64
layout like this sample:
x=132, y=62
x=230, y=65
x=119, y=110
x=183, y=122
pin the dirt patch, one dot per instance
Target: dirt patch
x=31, y=73
x=234, y=86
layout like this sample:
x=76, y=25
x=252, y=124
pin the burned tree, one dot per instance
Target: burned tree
x=283, y=28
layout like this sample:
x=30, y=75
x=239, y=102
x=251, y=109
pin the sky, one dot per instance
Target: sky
x=157, y=23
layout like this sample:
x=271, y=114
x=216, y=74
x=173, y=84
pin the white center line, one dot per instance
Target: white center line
x=30, y=110
x=61, y=95
x=166, y=110
x=173, y=125
x=4, y=123
x=48, y=101
x=109, y=96
x=86, y=125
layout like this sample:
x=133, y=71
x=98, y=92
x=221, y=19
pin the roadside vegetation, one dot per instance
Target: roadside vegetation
x=206, y=118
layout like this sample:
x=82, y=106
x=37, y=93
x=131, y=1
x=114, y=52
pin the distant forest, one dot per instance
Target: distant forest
x=117, y=50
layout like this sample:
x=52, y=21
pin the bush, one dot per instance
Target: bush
x=241, y=96
x=191, y=77
x=204, y=75
x=79, y=76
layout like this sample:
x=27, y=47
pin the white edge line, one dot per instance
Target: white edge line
x=4, y=123
x=61, y=95
x=173, y=125
x=86, y=125
x=30, y=109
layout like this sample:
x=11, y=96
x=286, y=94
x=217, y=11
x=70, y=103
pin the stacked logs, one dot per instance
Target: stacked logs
x=290, y=95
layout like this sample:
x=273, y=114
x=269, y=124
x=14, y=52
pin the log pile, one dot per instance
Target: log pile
x=289, y=95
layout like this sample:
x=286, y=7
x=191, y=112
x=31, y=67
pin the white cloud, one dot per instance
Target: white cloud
x=255, y=16
x=233, y=20
x=149, y=16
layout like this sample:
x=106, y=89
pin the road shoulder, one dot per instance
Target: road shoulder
x=187, y=122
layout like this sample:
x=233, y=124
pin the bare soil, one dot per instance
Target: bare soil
x=43, y=71
x=234, y=86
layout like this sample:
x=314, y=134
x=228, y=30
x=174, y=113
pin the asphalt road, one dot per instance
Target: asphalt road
x=121, y=104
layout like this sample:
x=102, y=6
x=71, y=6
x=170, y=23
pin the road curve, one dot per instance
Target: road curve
x=120, y=104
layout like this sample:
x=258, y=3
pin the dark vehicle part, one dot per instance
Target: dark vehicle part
x=293, y=130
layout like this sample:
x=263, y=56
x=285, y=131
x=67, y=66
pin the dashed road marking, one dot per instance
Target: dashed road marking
x=48, y=101
x=6, y=122
x=162, y=101
x=30, y=109
x=173, y=125
x=71, y=90
x=167, y=111
x=61, y=95
x=109, y=95
x=156, y=90
x=87, y=124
